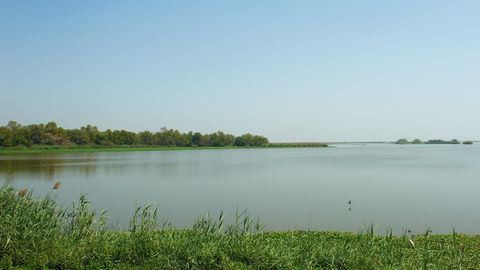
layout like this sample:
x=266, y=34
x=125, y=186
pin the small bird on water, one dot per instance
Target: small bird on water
x=350, y=202
x=56, y=185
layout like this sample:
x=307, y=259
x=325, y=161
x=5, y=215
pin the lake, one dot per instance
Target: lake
x=394, y=186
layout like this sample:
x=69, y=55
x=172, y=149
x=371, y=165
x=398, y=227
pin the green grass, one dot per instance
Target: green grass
x=80, y=149
x=37, y=234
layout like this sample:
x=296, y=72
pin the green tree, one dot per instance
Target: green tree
x=6, y=137
x=51, y=127
x=78, y=136
x=146, y=137
x=402, y=141
x=196, y=138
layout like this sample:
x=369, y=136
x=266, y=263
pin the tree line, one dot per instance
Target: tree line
x=17, y=135
x=436, y=141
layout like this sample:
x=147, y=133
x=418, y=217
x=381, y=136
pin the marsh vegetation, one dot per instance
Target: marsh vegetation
x=39, y=234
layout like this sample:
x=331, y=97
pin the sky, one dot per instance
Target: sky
x=290, y=70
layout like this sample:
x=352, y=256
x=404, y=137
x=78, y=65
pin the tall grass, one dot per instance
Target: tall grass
x=38, y=234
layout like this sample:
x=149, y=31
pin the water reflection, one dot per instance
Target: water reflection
x=46, y=167
x=50, y=167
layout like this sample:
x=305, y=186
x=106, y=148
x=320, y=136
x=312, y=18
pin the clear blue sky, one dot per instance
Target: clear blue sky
x=290, y=70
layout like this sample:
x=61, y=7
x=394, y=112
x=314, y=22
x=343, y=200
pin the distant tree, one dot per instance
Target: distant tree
x=188, y=138
x=52, y=135
x=251, y=140
x=259, y=141
x=205, y=140
x=91, y=132
x=78, y=136
x=51, y=127
x=240, y=141
x=229, y=140
x=18, y=133
x=13, y=125
x=167, y=137
x=123, y=137
x=181, y=140
x=217, y=139
x=402, y=141
x=196, y=138
x=437, y=141
x=6, y=137
x=417, y=141
x=36, y=134
x=146, y=137
x=108, y=136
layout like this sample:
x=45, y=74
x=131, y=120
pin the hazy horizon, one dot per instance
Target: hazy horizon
x=291, y=71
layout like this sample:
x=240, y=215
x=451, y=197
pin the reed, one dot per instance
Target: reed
x=35, y=233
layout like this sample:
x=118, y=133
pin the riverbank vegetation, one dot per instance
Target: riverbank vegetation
x=38, y=234
x=297, y=145
x=49, y=136
x=46, y=149
x=43, y=138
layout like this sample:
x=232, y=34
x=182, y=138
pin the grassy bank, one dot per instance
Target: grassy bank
x=36, y=233
x=297, y=145
x=75, y=149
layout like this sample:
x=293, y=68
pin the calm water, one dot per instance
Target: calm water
x=404, y=187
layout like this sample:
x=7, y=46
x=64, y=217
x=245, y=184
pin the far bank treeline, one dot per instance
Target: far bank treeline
x=436, y=141
x=16, y=135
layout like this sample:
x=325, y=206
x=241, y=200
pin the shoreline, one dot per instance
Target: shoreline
x=59, y=149
x=77, y=238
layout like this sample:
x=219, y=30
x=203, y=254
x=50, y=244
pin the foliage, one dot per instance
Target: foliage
x=251, y=140
x=454, y=141
x=402, y=141
x=38, y=234
x=417, y=141
x=16, y=135
x=437, y=141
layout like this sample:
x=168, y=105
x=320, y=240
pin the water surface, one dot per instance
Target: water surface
x=400, y=187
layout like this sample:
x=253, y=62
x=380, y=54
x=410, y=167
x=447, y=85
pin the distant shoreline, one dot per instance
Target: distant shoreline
x=82, y=149
x=91, y=149
x=434, y=141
